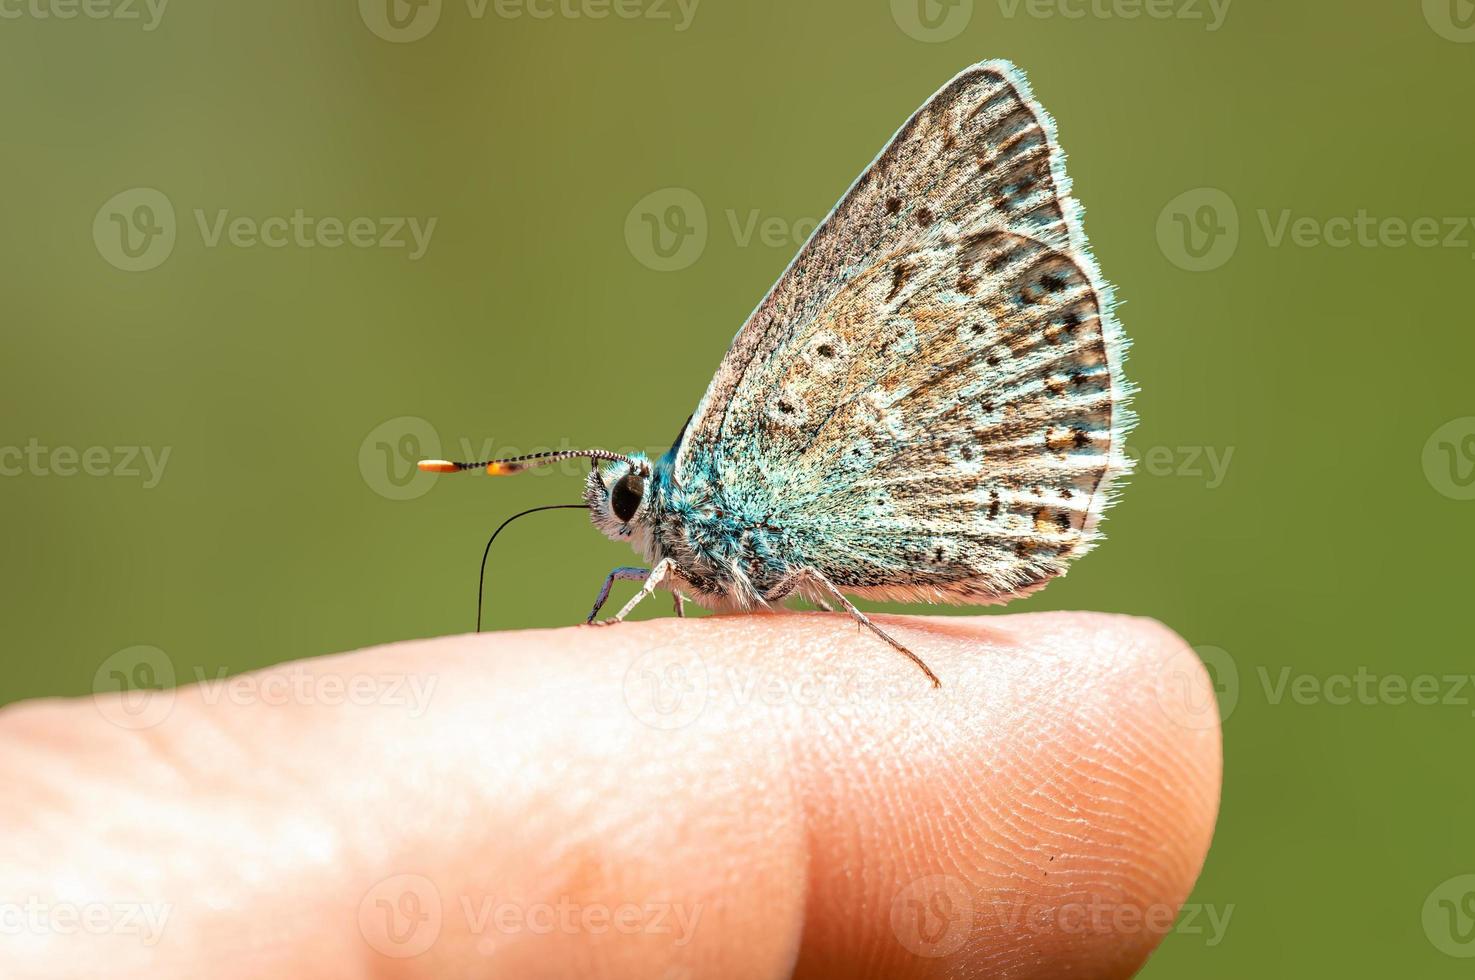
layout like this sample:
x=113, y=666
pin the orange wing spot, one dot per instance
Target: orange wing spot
x=1059, y=440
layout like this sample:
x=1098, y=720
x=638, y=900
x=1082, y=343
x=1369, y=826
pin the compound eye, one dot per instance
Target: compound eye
x=624, y=499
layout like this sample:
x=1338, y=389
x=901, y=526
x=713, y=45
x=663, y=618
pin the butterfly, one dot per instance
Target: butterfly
x=929, y=405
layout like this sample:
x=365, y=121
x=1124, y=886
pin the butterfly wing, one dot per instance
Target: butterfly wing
x=930, y=398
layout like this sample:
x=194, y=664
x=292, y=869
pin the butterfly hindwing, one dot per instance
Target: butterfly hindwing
x=930, y=398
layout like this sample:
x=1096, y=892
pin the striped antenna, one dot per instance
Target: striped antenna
x=516, y=464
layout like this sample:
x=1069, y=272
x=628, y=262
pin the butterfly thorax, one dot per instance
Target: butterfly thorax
x=728, y=546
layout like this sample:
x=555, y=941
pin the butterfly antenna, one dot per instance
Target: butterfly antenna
x=516, y=464
x=481, y=579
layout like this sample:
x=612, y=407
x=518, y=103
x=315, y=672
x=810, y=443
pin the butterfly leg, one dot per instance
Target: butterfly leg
x=654, y=579
x=680, y=603
x=864, y=620
x=622, y=574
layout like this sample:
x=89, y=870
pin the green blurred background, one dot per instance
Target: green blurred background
x=1304, y=505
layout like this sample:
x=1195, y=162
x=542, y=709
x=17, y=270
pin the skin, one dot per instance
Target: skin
x=839, y=827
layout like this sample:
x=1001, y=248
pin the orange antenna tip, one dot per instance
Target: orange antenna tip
x=516, y=464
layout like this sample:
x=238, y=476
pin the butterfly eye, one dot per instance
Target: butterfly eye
x=624, y=499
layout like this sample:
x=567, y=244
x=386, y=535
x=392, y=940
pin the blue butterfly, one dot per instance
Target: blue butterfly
x=928, y=406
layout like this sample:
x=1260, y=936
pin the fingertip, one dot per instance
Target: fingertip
x=1046, y=811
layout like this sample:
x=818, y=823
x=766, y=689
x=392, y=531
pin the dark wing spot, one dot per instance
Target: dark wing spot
x=893, y=205
x=925, y=217
x=899, y=276
x=937, y=555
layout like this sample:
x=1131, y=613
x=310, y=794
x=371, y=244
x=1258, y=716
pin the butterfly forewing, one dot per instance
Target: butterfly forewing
x=930, y=398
